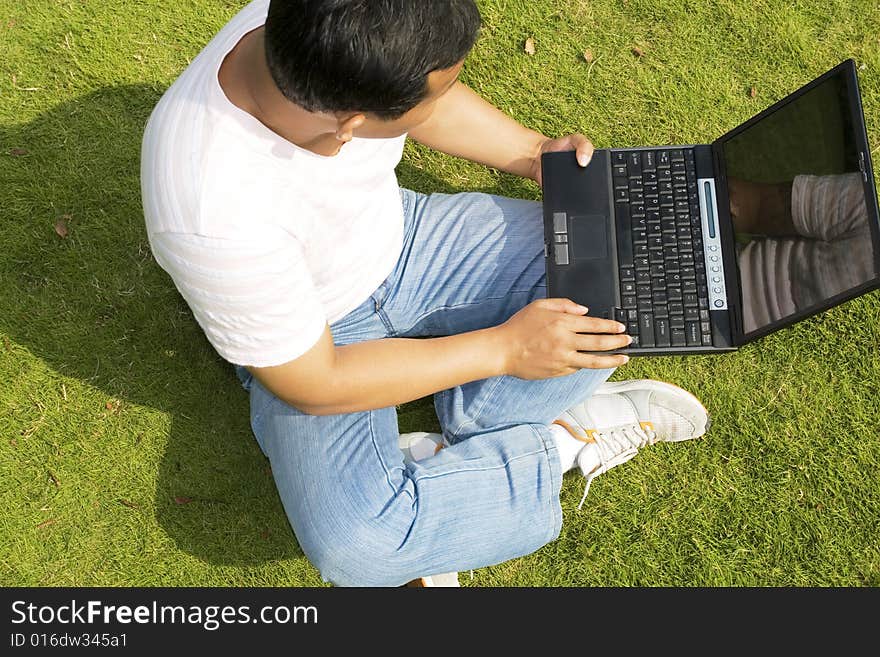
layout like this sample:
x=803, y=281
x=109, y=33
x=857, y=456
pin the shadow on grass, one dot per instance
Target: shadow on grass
x=95, y=306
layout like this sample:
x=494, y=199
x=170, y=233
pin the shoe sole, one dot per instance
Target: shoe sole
x=652, y=384
x=446, y=580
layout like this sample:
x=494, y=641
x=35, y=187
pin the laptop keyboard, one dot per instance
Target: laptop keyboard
x=665, y=296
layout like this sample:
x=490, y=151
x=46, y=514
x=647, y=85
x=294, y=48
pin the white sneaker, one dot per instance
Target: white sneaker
x=622, y=417
x=444, y=579
x=420, y=445
x=415, y=447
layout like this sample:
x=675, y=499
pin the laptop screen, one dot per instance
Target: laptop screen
x=798, y=207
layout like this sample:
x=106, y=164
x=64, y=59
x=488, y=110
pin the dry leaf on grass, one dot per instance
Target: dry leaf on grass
x=264, y=534
x=53, y=478
x=182, y=500
x=129, y=504
x=638, y=52
x=588, y=56
x=61, y=227
x=529, y=46
x=18, y=152
x=753, y=92
x=46, y=523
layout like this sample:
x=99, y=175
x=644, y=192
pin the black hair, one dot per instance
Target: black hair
x=365, y=55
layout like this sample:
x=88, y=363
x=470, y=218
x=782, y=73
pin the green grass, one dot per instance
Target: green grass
x=113, y=404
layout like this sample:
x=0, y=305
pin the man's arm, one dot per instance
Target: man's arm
x=464, y=125
x=542, y=340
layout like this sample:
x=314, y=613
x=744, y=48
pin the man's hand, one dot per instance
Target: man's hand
x=582, y=146
x=547, y=338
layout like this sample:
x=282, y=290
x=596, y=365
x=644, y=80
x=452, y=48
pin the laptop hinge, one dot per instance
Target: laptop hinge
x=728, y=247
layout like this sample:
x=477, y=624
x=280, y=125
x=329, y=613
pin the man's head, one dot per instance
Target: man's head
x=381, y=58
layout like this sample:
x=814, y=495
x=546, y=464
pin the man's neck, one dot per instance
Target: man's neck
x=245, y=79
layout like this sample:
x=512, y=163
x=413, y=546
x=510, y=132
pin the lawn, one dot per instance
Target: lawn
x=126, y=456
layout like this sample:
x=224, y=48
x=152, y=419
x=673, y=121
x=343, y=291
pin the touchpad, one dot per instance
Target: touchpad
x=589, y=236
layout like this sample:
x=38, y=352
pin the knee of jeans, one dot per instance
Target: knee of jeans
x=358, y=549
x=360, y=559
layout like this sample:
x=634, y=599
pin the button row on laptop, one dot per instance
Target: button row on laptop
x=664, y=292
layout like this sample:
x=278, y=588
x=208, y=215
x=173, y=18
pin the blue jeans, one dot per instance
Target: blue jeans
x=362, y=516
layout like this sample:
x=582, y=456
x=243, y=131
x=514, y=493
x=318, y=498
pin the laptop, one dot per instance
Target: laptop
x=704, y=248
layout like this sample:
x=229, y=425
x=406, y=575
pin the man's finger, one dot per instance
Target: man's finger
x=584, y=149
x=601, y=342
x=593, y=362
x=564, y=306
x=587, y=324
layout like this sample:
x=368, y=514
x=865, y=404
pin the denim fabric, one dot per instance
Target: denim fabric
x=361, y=515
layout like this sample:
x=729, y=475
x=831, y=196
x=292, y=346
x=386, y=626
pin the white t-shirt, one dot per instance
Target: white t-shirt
x=267, y=242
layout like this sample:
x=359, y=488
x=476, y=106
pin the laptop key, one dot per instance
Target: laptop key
x=561, y=254
x=691, y=301
x=632, y=316
x=676, y=321
x=630, y=302
x=618, y=157
x=661, y=332
x=692, y=334
x=643, y=276
x=692, y=314
x=646, y=329
x=634, y=164
x=678, y=338
x=624, y=235
x=627, y=287
x=619, y=171
x=620, y=315
x=627, y=274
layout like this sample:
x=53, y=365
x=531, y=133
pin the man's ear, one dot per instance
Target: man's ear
x=347, y=125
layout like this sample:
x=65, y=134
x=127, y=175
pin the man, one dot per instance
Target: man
x=271, y=201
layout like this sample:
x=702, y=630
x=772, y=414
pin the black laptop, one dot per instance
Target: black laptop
x=703, y=248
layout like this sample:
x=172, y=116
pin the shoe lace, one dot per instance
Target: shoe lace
x=616, y=441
